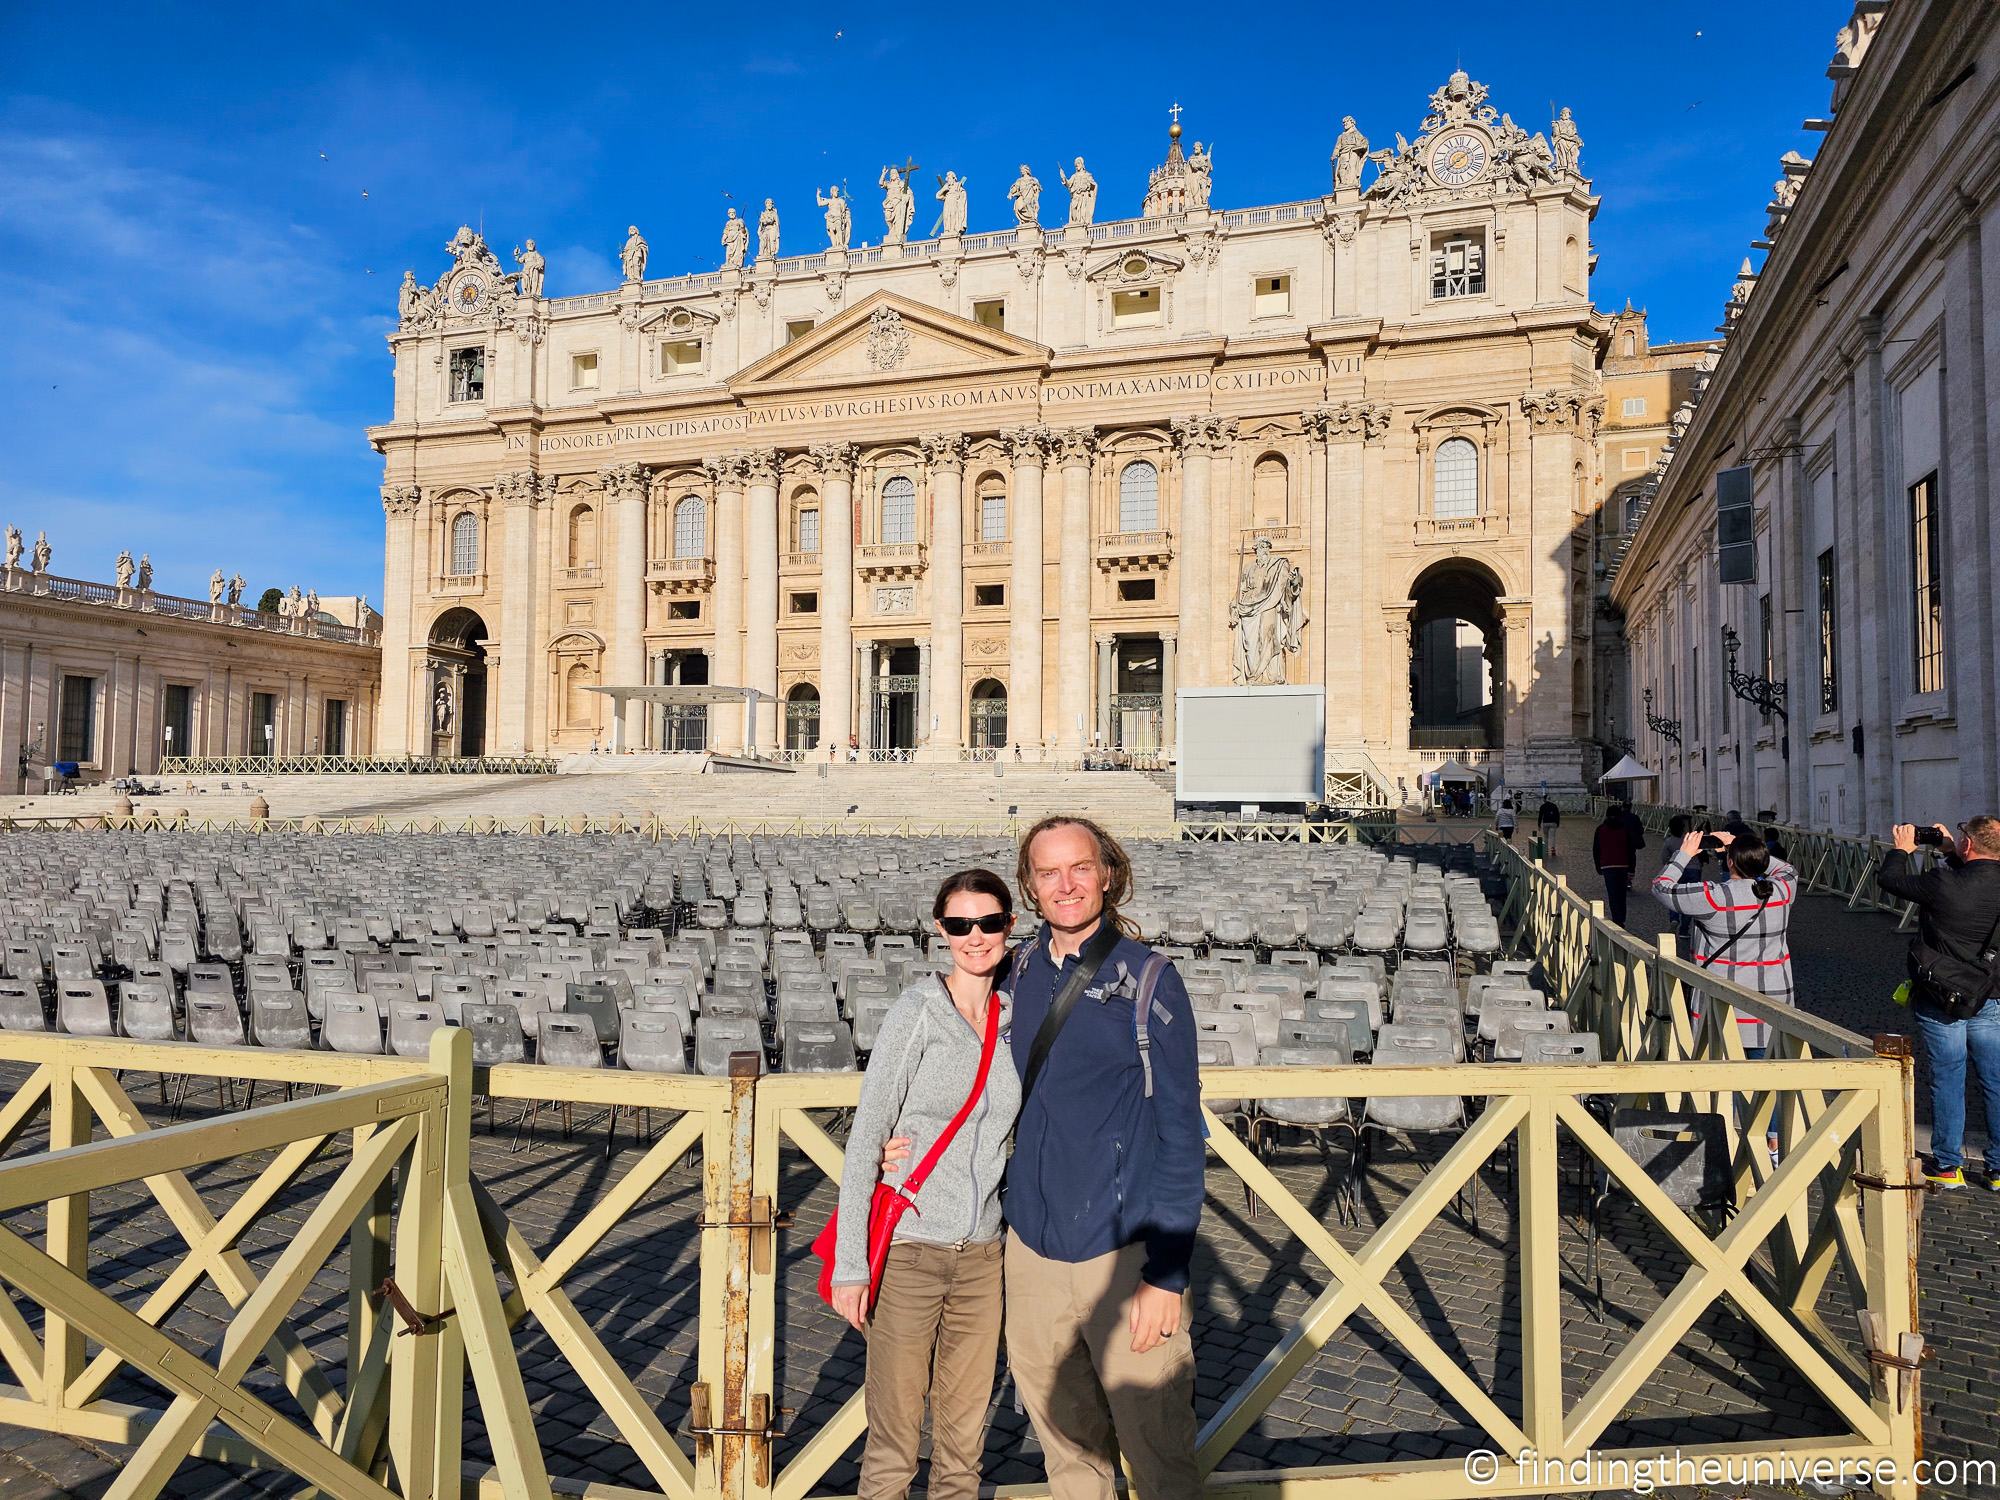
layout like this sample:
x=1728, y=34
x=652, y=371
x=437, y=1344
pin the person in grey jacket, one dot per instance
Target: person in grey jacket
x=1739, y=925
x=934, y=1330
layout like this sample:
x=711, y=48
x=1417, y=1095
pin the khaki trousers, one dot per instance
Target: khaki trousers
x=1069, y=1344
x=934, y=1331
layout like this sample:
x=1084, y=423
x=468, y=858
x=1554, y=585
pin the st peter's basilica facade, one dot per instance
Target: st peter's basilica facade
x=942, y=497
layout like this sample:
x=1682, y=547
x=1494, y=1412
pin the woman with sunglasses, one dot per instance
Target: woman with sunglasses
x=934, y=1327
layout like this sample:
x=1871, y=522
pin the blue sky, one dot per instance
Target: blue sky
x=204, y=210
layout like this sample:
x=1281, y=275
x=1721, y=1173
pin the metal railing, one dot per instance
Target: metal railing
x=435, y=1249
x=357, y=765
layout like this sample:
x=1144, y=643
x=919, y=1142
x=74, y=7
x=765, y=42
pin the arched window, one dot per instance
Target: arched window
x=690, y=527
x=579, y=703
x=989, y=714
x=992, y=509
x=1631, y=345
x=1139, y=497
x=899, y=510
x=1269, y=501
x=582, y=537
x=465, y=544
x=1455, y=480
x=802, y=717
x=805, y=521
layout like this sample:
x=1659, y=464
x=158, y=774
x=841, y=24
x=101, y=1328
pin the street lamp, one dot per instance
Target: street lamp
x=1769, y=696
x=1667, y=729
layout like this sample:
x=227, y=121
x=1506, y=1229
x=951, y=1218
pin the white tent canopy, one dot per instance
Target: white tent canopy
x=1629, y=769
x=1452, y=772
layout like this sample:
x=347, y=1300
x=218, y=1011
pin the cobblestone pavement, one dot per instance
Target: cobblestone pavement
x=1360, y=1400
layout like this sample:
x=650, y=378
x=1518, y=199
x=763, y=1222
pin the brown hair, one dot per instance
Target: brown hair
x=975, y=882
x=1983, y=833
x=1111, y=857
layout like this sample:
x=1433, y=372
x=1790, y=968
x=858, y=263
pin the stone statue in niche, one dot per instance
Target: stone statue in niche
x=1349, y=152
x=441, y=710
x=216, y=584
x=951, y=193
x=1568, y=145
x=899, y=206
x=633, y=256
x=1026, y=196
x=735, y=241
x=838, y=222
x=1082, y=194
x=124, y=569
x=1267, y=615
x=767, y=232
x=42, y=552
x=533, y=265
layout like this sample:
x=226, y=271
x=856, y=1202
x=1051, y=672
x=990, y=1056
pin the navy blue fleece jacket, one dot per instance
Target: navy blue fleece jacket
x=1097, y=1165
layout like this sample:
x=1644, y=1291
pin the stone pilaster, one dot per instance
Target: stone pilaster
x=727, y=473
x=1397, y=620
x=1340, y=432
x=944, y=460
x=1029, y=446
x=1106, y=684
x=835, y=462
x=1516, y=679
x=1075, y=449
x=624, y=487
x=400, y=504
x=522, y=497
x=1169, y=685
x=1199, y=440
x=760, y=636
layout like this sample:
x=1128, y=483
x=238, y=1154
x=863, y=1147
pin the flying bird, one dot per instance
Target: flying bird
x=322, y=156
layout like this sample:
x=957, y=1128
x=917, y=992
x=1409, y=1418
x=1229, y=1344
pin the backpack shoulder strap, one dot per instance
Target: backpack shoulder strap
x=1142, y=1009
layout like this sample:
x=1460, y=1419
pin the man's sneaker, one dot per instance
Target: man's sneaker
x=1947, y=1177
x=1988, y=1180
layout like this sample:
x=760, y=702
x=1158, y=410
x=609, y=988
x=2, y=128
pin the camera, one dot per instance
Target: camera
x=1710, y=844
x=1933, y=837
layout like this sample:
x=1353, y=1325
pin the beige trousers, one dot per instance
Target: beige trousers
x=934, y=1331
x=1069, y=1344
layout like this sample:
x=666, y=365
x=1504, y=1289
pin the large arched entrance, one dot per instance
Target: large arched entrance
x=989, y=716
x=1457, y=663
x=455, y=685
x=802, y=717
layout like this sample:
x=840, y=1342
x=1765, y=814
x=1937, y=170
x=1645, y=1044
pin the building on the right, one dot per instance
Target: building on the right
x=1849, y=675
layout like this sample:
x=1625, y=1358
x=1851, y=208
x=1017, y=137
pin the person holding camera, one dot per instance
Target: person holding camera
x=1954, y=984
x=1737, y=925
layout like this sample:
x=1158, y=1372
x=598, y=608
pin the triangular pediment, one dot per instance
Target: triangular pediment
x=884, y=337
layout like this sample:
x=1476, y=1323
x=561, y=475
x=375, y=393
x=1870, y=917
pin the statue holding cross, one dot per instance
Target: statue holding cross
x=899, y=204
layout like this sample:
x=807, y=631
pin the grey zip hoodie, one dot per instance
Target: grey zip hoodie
x=922, y=1069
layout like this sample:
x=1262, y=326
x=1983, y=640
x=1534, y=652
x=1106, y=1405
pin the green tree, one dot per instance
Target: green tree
x=267, y=602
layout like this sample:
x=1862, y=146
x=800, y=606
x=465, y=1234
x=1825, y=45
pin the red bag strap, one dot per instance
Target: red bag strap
x=916, y=1179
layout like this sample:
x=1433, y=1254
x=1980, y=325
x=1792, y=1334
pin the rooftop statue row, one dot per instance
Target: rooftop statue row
x=1463, y=146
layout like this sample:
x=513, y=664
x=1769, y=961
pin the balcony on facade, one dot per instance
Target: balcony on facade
x=459, y=583
x=799, y=562
x=1431, y=532
x=680, y=575
x=1131, y=551
x=888, y=560
x=989, y=552
x=585, y=577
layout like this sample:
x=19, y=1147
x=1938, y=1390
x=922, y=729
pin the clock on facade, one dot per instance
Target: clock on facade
x=468, y=296
x=1458, y=157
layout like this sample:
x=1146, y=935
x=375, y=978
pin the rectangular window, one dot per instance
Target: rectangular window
x=333, y=727
x=177, y=720
x=680, y=357
x=1694, y=694
x=1137, y=590
x=1635, y=406
x=993, y=518
x=583, y=372
x=684, y=609
x=1829, y=637
x=991, y=313
x=1138, y=308
x=76, y=720
x=797, y=328
x=1765, y=664
x=989, y=595
x=1926, y=588
x=808, y=531
x=468, y=374
x=1458, y=266
x=1272, y=297
x=806, y=603
x=263, y=723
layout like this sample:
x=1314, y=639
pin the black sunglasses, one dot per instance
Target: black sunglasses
x=993, y=922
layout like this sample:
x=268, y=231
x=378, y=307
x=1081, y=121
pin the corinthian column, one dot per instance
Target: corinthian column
x=1197, y=438
x=835, y=462
x=760, y=637
x=624, y=487
x=1024, y=589
x=400, y=504
x=726, y=595
x=1397, y=622
x=521, y=497
x=944, y=458
x=1076, y=447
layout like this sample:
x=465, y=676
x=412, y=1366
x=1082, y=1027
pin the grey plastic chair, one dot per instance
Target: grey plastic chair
x=82, y=1008
x=1415, y=1115
x=715, y=1037
x=352, y=1024
x=820, y=1048
x=1321, y=1117
x=411, y=1025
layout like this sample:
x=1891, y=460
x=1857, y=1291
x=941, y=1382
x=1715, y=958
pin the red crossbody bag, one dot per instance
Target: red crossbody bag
x=890, y=1203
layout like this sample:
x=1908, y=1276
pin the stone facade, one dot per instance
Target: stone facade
x=946, y=495
x=116, y=678
x=1858, y=384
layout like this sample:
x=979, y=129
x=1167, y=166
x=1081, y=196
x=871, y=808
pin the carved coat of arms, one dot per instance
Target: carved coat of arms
x=888, y=339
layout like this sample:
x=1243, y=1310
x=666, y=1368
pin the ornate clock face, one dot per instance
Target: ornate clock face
x=468, y=296
x=1458, y=158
